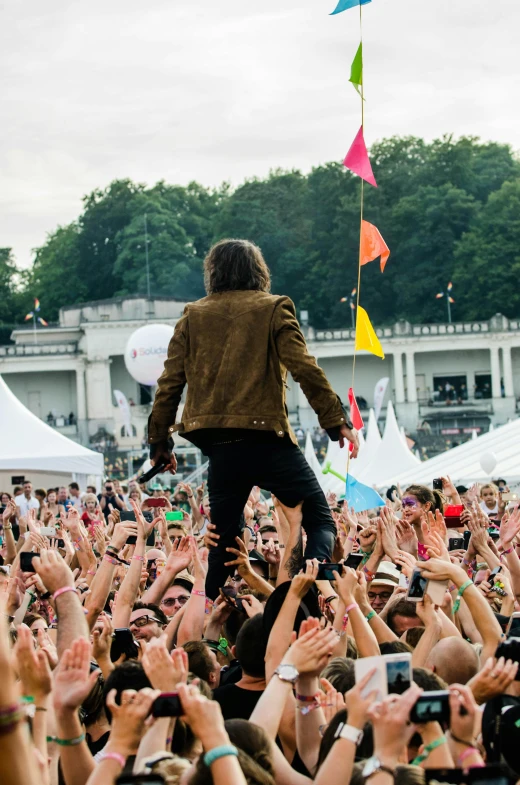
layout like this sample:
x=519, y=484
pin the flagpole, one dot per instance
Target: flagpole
x=449, y=308
x=34, y=329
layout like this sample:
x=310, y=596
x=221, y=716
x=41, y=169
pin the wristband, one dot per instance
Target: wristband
x=351, y=539
x=198, y=593
x=331, y=598
x=456, y=604
x=307, y=698
x=110, y=559
x=91, y=572
x=138, y=558
x=67, y=742
x=351, y=608
x=429, y=748
x=466, y=754
x=219, y=752
x=368, y=574
x=61, y=591
x=121, y=759
x=370, y=615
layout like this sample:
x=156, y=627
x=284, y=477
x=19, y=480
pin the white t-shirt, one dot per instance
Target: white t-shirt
x=24, y=505
x=76, y=502
x=485, y=508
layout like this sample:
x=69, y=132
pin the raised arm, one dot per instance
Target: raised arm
x=170, y=385
x=178, y=560
x=127, y=594
x=192, y=625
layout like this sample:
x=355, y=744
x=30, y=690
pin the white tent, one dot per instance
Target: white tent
x=462, y=463
x=392, y=456
x=27, y=444
x=313, y=462
x=368, y=447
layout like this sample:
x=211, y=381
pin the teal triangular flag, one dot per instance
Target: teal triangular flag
x=361, y=497
x=344, y=5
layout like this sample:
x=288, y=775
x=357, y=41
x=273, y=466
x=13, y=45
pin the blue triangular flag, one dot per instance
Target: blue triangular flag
x=344, y=5
x=361, y=497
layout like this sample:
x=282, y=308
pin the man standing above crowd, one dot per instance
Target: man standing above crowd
x=233, y=350
x=26, y=501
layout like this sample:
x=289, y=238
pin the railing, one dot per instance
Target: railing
x=38, y=349
x=402, y=329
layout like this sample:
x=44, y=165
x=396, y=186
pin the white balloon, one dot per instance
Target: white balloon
x=488, y=461
x=146, y=352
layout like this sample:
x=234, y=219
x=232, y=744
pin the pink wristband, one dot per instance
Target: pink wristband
x=121, y=759
x=109, y=559
x=467, y=752
x=138, y=558
x=198, y=593
x=63, y=589
x=351, y=607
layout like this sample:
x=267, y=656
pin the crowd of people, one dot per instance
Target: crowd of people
x=114, y=660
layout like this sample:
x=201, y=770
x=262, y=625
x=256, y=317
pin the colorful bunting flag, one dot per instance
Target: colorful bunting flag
x=438, y=296
x=355, y=416
x=450, y=286
x=360, y=496
x=36, y=304
x=356, y=69
x=353, y=305
x=29, y=316
x=365, y=335
x=357, y=159
x=372, y=245
x=344, y=5
x=43, y=322
x=451, y=300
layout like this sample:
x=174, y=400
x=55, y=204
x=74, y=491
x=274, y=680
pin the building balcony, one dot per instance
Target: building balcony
x=428, y=407
x=38, y=349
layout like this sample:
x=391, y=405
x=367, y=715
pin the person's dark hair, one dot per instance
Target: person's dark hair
x=395, y=647
x=74, y=486
x=414, y=635
x=340, y=673
x=365, y=749
x=151, y=606
x=30, y=618
x=405, y=774
x=232, y=626
x=251, y=646
x=40, y=493
x=253, y=740
x=233, y=265
x=94, y=704
x=127, y=676
x=253, y=773
x=27, y=482
x=199, y=659
x=401, y=608
x=425, y=495
x=268, y=527
x=428, y=680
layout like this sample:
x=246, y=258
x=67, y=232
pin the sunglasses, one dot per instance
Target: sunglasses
x=142, y=621
x=169, y=602
x=408, y=502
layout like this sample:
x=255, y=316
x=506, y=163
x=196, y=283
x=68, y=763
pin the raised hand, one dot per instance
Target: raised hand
x=164, y=670
x=302, y=582
x=241, y=562
x=53, y=570
x=346, y=584
x=494, y=679
x=509, y=528
x=73, y=680
x=311, y=652
x=407, y=562
x=33, y=666
x=128, y=719
x=406, y=537
x=180, y=555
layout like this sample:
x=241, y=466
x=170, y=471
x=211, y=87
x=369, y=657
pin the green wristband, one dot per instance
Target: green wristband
x=429, y=748
x=456, y=604
x=67, y=742
x=370, y=615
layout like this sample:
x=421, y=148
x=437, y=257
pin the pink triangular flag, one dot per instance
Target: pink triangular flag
x=357, y=159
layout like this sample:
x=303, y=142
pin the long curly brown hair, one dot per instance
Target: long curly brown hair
x=234, y=265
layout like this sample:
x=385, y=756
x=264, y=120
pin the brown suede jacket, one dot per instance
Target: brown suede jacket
x=233, y=350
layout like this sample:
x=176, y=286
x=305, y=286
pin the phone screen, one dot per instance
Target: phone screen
x=398, y=674
x=326, y=571
x=176, y=515
x=432, y=707
x=167, y=705
x=456, y=544
x=26, y=561
x=417, y=587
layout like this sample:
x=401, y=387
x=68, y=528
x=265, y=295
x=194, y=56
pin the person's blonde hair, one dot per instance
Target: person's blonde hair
x=90, y=497
x=489, y=485
x=171, y=769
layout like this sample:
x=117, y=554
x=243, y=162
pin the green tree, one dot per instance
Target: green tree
x=8, y=314
x=487, y=259
x=56, y=277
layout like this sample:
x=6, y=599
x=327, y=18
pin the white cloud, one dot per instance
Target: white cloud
x=228, y=90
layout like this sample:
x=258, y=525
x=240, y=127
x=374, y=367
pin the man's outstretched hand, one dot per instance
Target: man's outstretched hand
x=161, y=452
x=351, y=435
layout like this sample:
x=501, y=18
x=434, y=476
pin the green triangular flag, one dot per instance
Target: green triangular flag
x=356, y=70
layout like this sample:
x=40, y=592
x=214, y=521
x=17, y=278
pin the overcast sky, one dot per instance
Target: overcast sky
x=213, y=91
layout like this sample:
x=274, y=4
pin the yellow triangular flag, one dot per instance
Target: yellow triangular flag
x=365, y=336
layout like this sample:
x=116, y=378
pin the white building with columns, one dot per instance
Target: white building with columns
x=455, y=377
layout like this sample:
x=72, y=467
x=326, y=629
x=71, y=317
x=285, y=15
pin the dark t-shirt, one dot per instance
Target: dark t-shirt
x=110, y=500
x=235, y=702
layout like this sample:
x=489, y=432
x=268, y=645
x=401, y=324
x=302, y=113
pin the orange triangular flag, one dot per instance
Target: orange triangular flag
x=372, y=245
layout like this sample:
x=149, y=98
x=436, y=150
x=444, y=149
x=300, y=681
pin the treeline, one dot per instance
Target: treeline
x=449, y=210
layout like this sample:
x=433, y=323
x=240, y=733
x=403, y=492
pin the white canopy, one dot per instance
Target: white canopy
x=28, y=444
x=462, y=463
x=367, y=447
x=314, y=463
x=393, y=456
